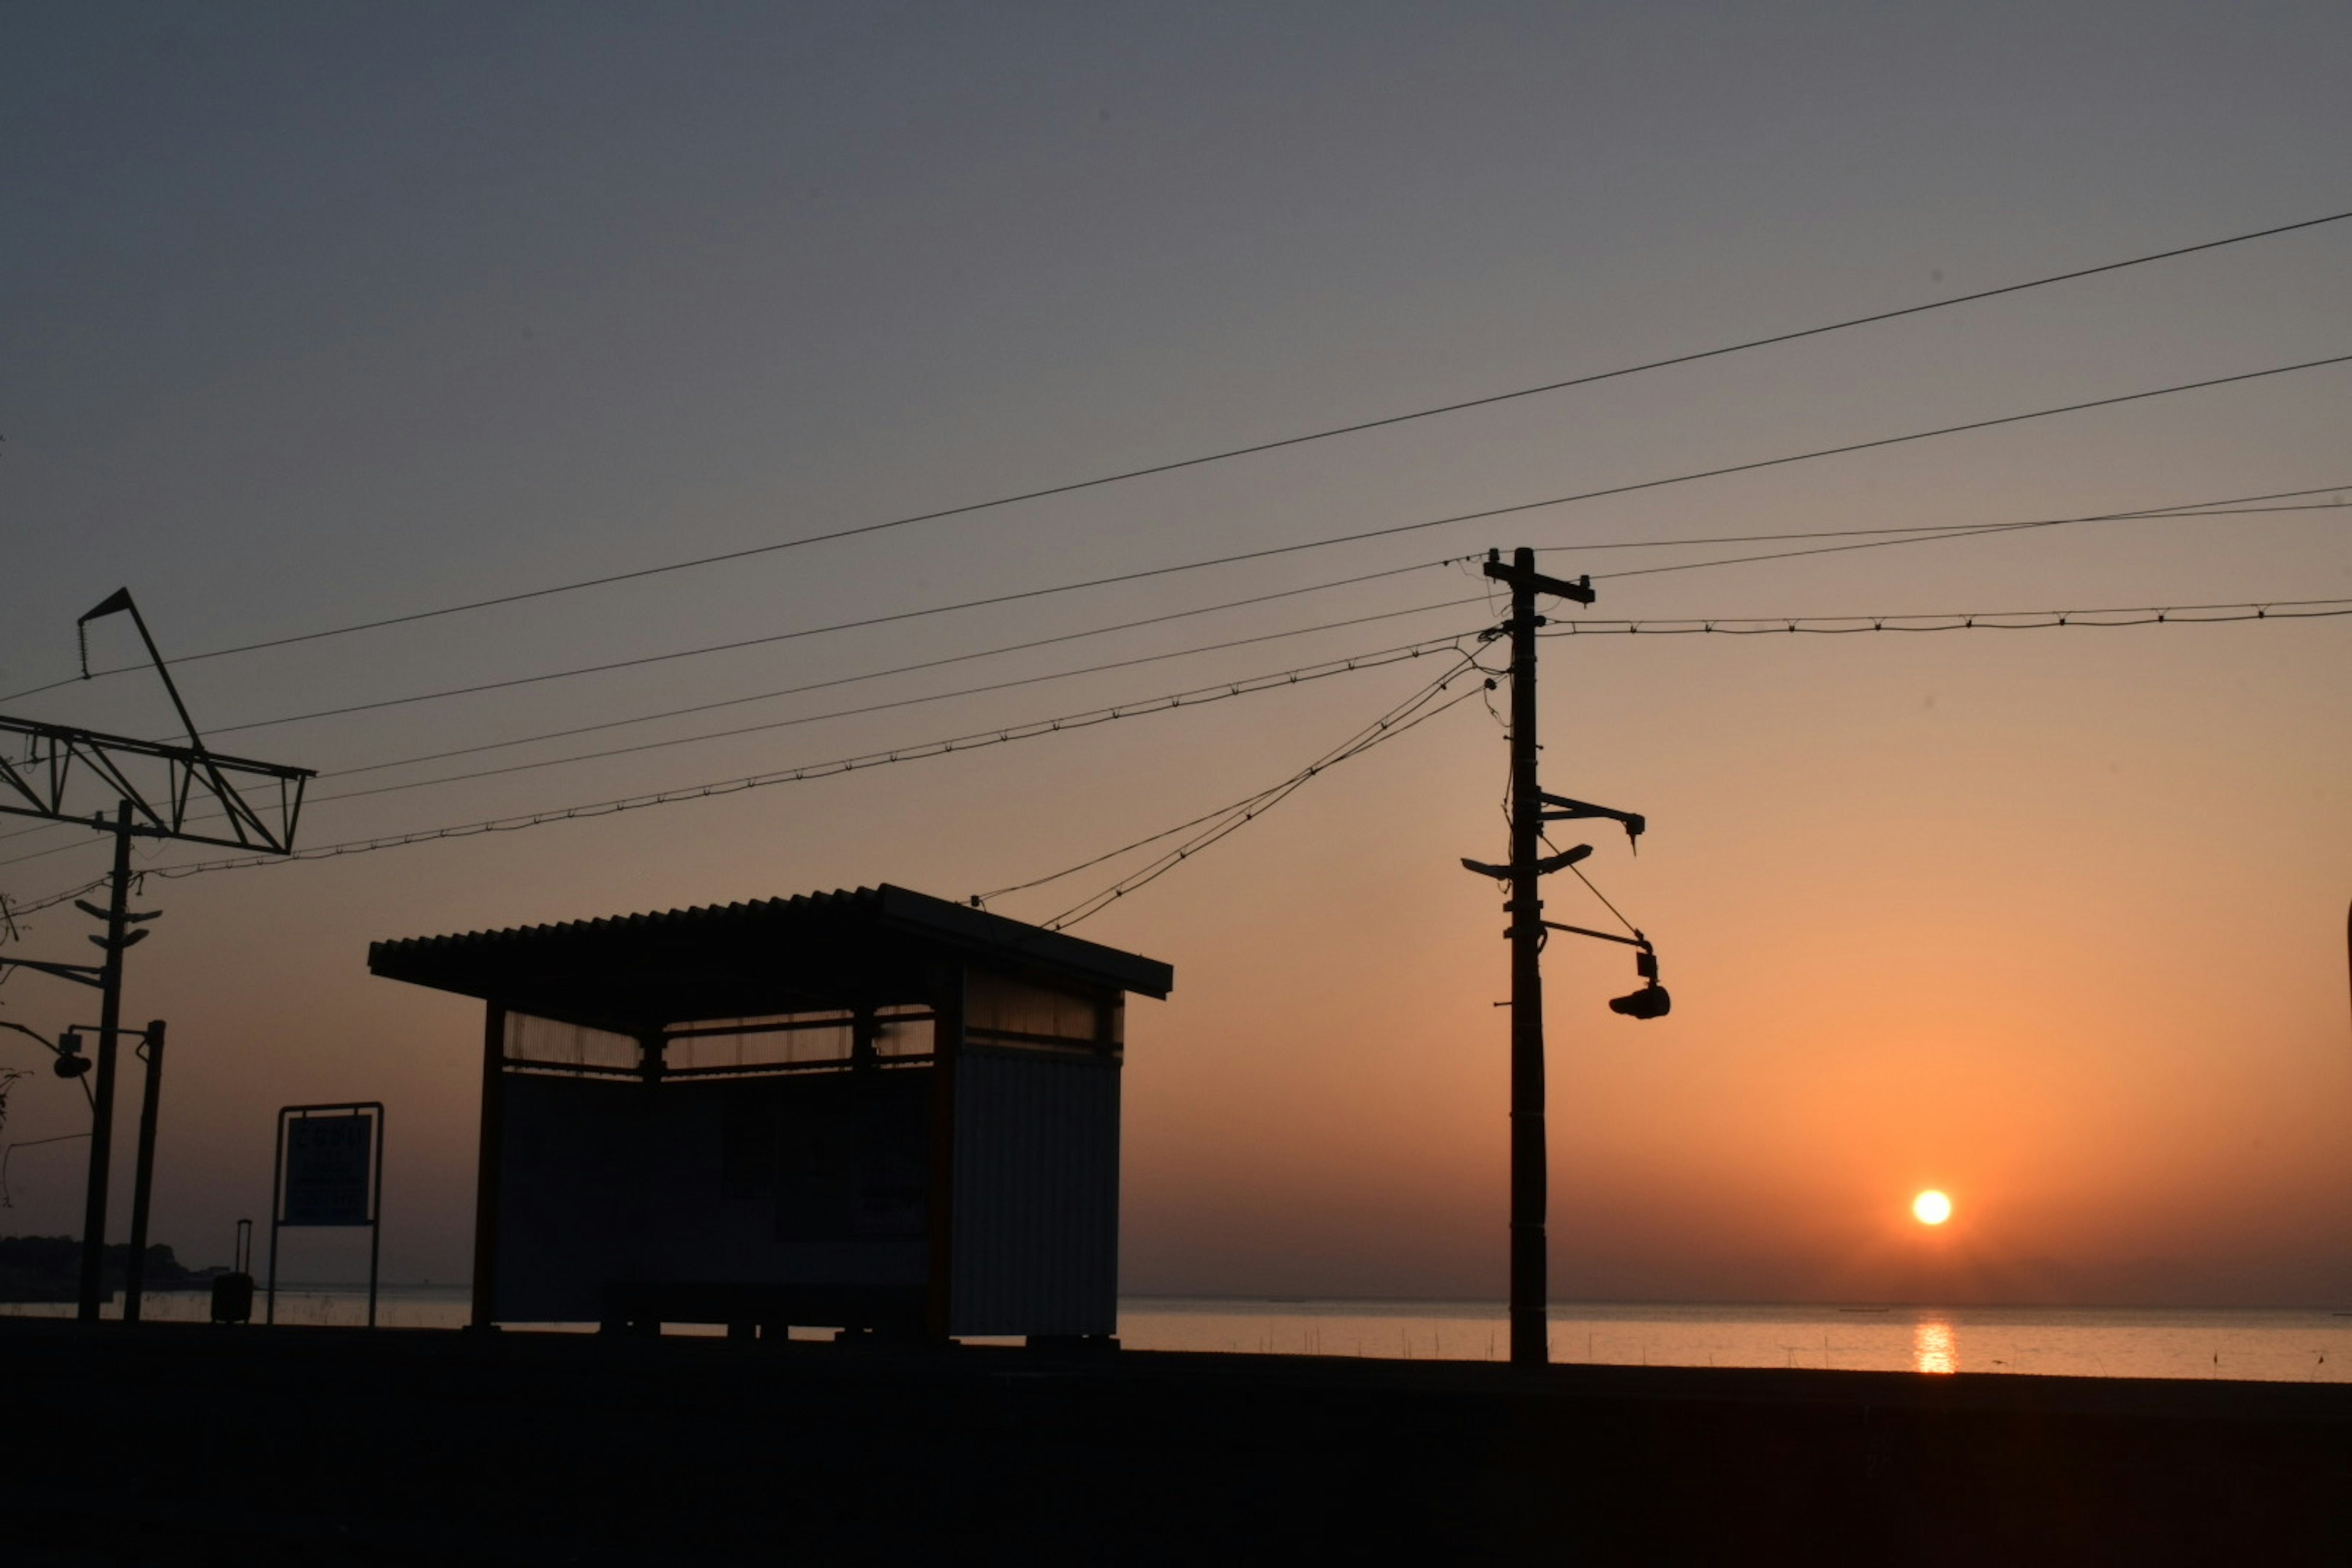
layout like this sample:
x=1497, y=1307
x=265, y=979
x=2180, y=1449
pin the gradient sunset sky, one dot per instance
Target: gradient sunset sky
x=318, y=314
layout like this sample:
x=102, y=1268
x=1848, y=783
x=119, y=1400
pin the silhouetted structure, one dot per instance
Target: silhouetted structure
x=875, y=1109
x=189, y=794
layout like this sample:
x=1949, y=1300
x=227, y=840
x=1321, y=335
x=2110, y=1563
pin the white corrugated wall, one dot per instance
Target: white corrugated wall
x=1036, y=1243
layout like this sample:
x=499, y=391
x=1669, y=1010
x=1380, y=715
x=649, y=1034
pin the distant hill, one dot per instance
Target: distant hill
x=48, y=1269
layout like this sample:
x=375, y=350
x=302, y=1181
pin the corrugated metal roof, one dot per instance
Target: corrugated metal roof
x=732, y=960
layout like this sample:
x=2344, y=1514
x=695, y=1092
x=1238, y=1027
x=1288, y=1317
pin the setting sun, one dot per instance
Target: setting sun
x=1931, y=1207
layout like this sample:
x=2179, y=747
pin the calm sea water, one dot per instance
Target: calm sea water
x=2274, y=1345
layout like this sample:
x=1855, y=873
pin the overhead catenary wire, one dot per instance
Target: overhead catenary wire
x=1405, y=717
x=1907, y=533
x=1110, y=665
x=1924, y=530
x=1270, y=552
x=949, y=659
x=1918, y=534
x=973, y=741
x=981, y=899
x=1981, y=620
x=816, y=718
x=1959, y=532
x=2269, y=611
x=50, y=900
x=1973, y=531
x=872, y=708
x=1253, y=448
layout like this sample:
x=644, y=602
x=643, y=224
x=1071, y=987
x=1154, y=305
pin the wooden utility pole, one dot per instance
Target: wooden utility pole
x=1531, y=1323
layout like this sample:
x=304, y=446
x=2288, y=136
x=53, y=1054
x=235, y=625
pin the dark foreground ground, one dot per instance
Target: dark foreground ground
x=195, y=1444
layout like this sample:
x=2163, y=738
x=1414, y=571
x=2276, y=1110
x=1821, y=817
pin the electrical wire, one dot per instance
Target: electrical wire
x=982, y=900
x=1963, y=531
x=52, y=899
x=1982, y=621
x=1102, y=901
x=869, y=707
x=1357, y=427
x=786, y=723
x=1973, y=531
x=1970, y=531
x=1903, y=534
x=1194, y=698
x=1272, y=550
x=1914, y=534
x=1406, y=716
x=2273, y=610
x=1925, y=531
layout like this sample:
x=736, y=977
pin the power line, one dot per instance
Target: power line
x=1907, y=533
x=2198, y=508
x=910, y=702
x=52, y=899
x=1970, y=532
x=1910, y=535
x=1268, y=553
x=1357, y=427
x=1194, y=698
x=1980, y=620
x=1964, y=530
x=1092, y=861
x=883, y=707
x=1976, y=532
x=947, y=659
x=820, y=631
x=1406, y=716
x=2270, y=610
x=807, y=719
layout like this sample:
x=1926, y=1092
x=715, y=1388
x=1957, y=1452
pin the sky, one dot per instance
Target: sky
x=314, y=315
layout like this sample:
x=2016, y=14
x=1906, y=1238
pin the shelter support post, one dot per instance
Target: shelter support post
x=938, y=1206
x=487, y=1165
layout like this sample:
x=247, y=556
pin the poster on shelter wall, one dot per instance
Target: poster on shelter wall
x=327, y=1169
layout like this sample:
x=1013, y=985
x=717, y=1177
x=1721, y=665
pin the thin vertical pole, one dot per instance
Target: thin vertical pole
x=948, y=1007
x=277, y=1206
x=143, y=1183
x=490, y=1152
x=1530, y=1263
x=375, y=1216
x=101, y=1128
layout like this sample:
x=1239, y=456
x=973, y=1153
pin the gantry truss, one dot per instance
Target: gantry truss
x=63, y=775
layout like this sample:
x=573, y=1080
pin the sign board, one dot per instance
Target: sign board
x=329, y=1172
x=327, y=1169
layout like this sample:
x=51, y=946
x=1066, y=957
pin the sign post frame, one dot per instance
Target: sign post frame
x=288, y=1117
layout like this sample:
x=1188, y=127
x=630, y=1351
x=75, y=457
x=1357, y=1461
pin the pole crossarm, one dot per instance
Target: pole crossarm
x=1559, y=808
x=1636, y=940
x=45, y=769
x=86, y=974
x=1522, y=575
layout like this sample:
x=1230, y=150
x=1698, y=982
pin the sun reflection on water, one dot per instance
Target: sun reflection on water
x=1933, y=1348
